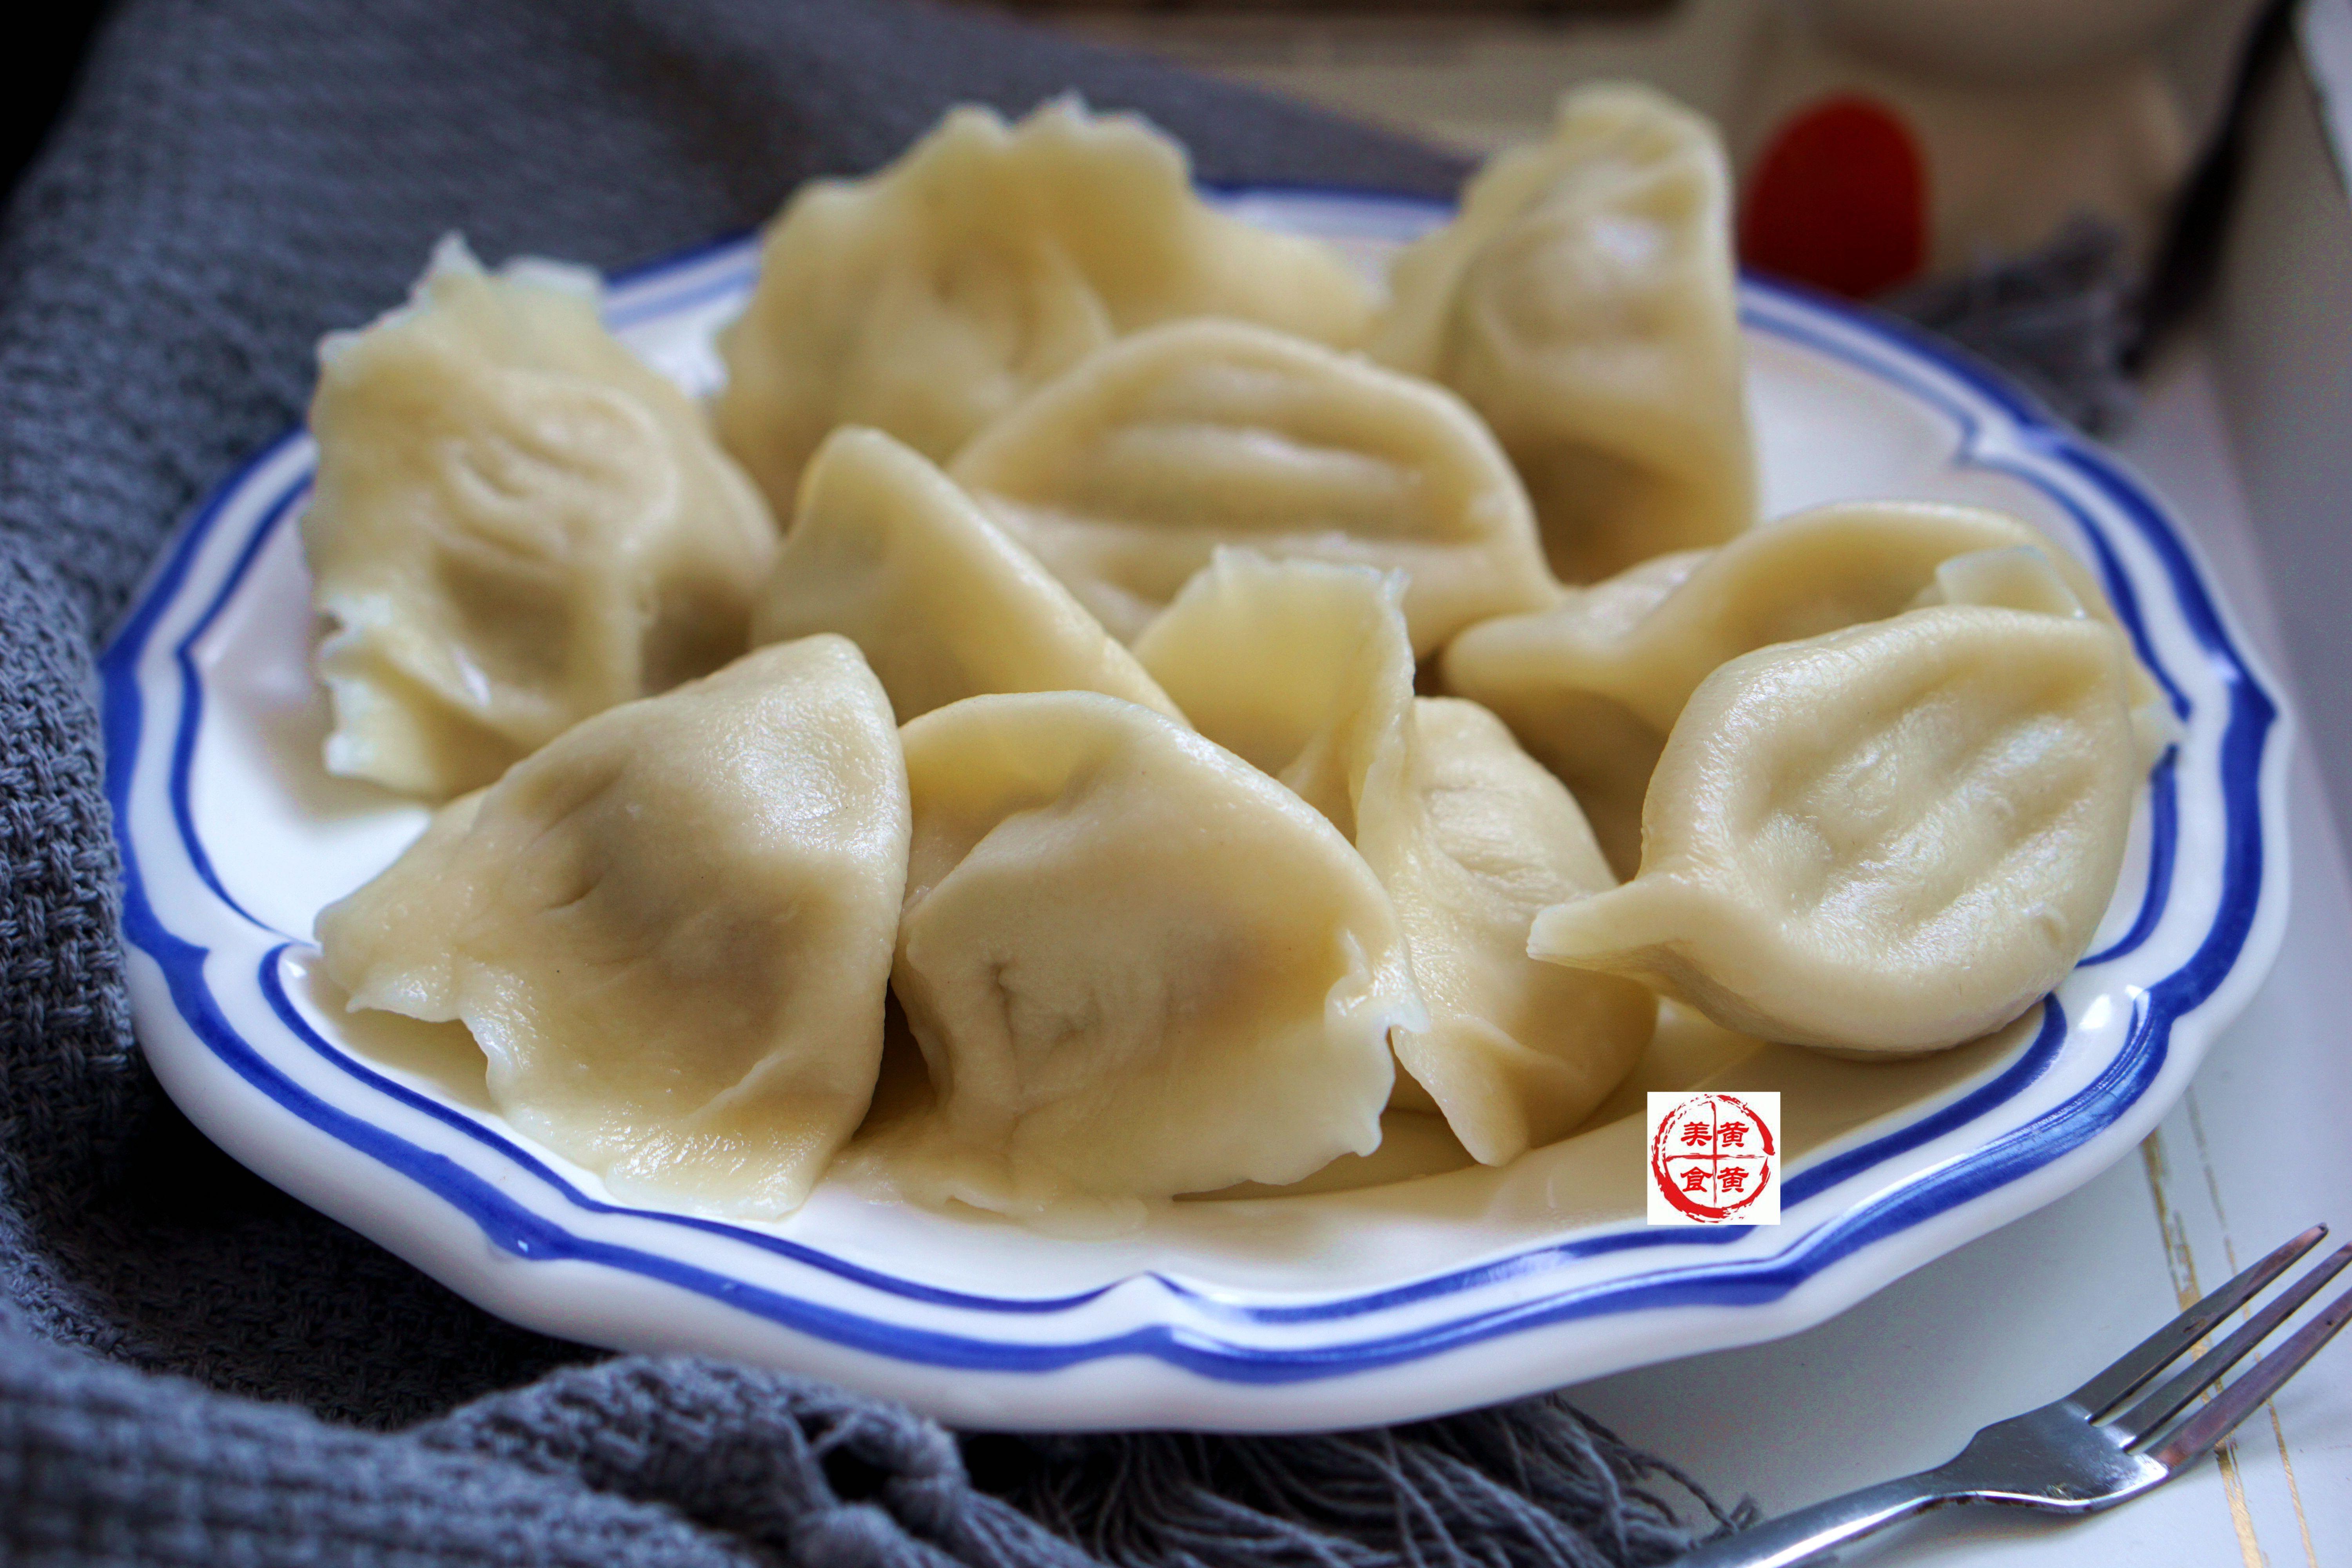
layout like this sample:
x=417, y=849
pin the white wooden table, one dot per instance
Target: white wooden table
x=2261, y=1147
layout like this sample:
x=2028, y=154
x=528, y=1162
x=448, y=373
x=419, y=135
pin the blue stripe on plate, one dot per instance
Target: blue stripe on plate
x=2163, y=845
x=183, y=744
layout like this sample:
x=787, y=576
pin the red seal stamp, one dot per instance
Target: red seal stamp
x=1715, y=1159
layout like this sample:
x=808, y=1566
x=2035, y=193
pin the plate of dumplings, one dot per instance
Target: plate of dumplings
x=1093, y=804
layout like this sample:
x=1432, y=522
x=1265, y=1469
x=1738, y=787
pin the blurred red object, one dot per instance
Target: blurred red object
x=1839, y=199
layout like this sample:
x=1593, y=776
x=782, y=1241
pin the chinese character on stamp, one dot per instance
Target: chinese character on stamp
x=1714, y=1159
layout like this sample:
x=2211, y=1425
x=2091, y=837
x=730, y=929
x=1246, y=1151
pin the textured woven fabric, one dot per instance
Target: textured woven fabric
x=193, y=1368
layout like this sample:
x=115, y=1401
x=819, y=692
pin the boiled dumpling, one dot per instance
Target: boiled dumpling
x=1592, y=685
x=1126, y=473
x=1889, y=838
x=1304, y=668
x=925, y=298
x=1514, y=1058
x=1136, y=966
x=886, y=550
x=1584, y=304
x=670, y=929
x=516, y=524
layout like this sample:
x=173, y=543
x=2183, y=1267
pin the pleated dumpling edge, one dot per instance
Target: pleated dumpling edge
x=515, y=523
x=891, y=553
x=1126, y=473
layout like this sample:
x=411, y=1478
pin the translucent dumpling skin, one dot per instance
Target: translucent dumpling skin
x=1301, y=668
x=925, y=298
x=1304, y=668
x=1889, y=838
x=1512, y=1057
x=670, y=929
x=1136, y=966
x=1584, y=304
x=516, y=524
x=888, y=552
x=1126, y=474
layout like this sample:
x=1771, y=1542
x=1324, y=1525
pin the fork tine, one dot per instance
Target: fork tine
x=2169, y=1401
x=2190, y=1440
x=2119, y=1382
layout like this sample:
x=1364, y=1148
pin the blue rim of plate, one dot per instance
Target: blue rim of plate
x=1974, y=397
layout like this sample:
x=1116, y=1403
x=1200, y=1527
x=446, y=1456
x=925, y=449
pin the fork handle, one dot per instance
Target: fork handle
x=1804, y=1536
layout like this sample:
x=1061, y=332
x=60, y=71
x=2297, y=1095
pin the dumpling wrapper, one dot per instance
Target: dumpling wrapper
x=1584, y=303
x=1513, y=1058
x=1123, y=475
x=924, y=298
x=1592, y=685
x=516, y=524
x=1300, y=667
x=886, y=550
x=670, y=929
x=1136, y=966
x=1890, y=839
x=1304, y=668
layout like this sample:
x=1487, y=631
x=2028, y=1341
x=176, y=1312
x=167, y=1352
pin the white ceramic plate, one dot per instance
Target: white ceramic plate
x=1303, y=1311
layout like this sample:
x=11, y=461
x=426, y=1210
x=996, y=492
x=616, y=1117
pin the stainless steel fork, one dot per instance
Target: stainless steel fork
x=2091, y=1449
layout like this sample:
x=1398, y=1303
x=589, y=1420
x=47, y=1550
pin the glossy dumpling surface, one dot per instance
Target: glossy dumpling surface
x=923, y=300
x=670, y=929
x=516, y=524
x=1300, y=667
x=1304, y=668
x=1512, y=1057
x=1125, y=474
x=1584, y=304
x=1889, y=838
x=888, y=552
x=1136, y=966
x=1592, y=685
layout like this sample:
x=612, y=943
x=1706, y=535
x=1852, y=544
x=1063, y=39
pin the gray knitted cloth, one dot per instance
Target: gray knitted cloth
x=195, y=1369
